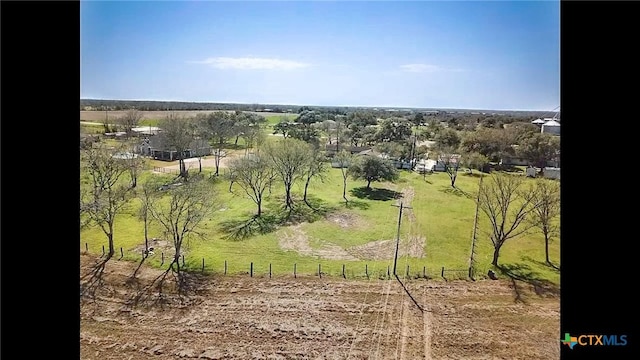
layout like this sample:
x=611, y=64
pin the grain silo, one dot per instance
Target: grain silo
x=551, y=127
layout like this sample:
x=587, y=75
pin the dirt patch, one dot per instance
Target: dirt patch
x=238, y=317
x=158, y=246
x=346, y=220
x=385, y=249
x=295, y=239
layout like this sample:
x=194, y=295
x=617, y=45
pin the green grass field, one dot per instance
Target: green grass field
x=443, y=217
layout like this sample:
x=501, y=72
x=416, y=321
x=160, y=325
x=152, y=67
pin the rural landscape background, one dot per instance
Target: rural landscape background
x=319, y=180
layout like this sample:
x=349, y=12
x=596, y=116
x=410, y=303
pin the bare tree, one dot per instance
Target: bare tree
x=106, y=191
x=181, y=212
x=451, y=162
x=217, y=127
x=316, y=167
x=288, y=157
x=147, y=195
x=546, y=215
x=344, y=160
x=507, y=203
x=177, y=135
x=134, y=162
x=254, y=175
x=129, y=120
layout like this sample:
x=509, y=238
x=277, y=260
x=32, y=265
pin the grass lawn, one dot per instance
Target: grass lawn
x=441, y=216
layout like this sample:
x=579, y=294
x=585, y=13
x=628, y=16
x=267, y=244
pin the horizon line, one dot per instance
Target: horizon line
x=312, y=105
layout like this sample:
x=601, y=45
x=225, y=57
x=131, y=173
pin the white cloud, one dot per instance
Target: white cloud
x=424, y=68
x=250, y=63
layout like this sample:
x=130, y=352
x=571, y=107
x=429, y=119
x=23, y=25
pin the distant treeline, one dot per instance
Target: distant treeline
x=453, y=116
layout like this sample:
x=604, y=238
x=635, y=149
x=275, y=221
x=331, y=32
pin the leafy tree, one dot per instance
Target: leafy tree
x=507, y=203
x=373, y=168
x=283, y=127
x=254, y=174
x=361, y=118
x=394, y=129
x=546, y=215
x=447, y=138
x=491, y=143
x=418, y=119
x=539, y=149
x=474, y=160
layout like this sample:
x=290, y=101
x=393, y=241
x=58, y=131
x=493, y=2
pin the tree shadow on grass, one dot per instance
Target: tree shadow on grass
x=545, y=264
x=521, y=273
x=357, y=204
x=270, y=220
x=242, y=228
x=456, y=191
x=375, y=193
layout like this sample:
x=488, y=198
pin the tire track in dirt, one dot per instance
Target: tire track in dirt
x=426, y=335
x=404, y=332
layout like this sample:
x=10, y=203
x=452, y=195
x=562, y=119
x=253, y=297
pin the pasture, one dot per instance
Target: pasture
x=436, y=232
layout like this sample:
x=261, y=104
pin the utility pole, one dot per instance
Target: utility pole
x=475, y=228
x=395, y=259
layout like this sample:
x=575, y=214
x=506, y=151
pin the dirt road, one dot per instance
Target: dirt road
x=238, y=317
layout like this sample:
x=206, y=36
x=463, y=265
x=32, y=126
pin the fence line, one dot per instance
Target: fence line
x=342, y=270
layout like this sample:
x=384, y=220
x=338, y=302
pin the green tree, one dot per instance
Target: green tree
x=539, y=148
x=447, y=138
x=474, y=160
x=373, y=168
x=394, y=129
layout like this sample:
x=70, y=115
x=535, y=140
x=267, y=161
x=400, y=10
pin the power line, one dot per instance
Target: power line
x=395, y=258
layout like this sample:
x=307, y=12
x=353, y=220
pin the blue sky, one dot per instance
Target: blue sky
x=499, y=55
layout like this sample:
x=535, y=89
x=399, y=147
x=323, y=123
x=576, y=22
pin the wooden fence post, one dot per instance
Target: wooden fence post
x=442, y=273
x=407, y=271
x=102, y=250
x=251, y=270
x=86, y=247
x=320, y=271
x=121, y=253
x=294, y=271
x=182, y=260
x=269, y=270
x=203, y=265
x=366, y=270
x=225, y=267
x=343, y=276
x=388, y=272
x=424, y=272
